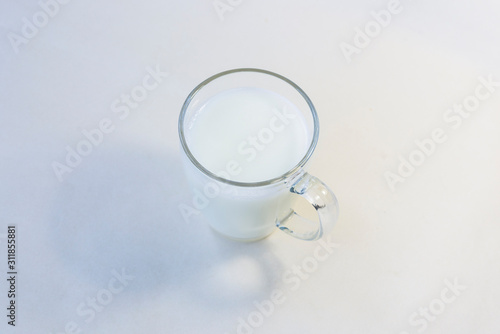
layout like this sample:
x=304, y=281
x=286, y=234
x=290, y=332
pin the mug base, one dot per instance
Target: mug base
x=247, y=240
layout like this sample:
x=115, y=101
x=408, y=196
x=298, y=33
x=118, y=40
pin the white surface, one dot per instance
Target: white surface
x=118, y=209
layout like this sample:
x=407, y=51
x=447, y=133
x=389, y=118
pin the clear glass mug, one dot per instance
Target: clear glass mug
x=249, y=211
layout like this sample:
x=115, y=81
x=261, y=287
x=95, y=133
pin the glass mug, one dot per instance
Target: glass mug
x=247, y=136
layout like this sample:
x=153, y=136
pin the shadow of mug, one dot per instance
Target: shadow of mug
x=119, y=209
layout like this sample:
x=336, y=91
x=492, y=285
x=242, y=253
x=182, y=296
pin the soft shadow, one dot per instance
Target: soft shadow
x=119, y=210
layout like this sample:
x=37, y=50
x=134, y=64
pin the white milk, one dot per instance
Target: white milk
x=246, y=135
x=260, y=130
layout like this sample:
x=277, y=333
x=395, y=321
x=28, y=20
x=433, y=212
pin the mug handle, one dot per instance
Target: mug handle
x=321, y=198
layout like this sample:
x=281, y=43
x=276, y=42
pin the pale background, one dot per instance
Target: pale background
x=118, y=209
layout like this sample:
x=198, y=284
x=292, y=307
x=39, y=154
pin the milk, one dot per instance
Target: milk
x=245, y=135
x=260, y=130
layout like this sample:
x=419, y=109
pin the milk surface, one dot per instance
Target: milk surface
x=249, y=134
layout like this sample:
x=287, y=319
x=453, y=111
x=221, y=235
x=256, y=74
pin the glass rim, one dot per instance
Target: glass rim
x=299, y=166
